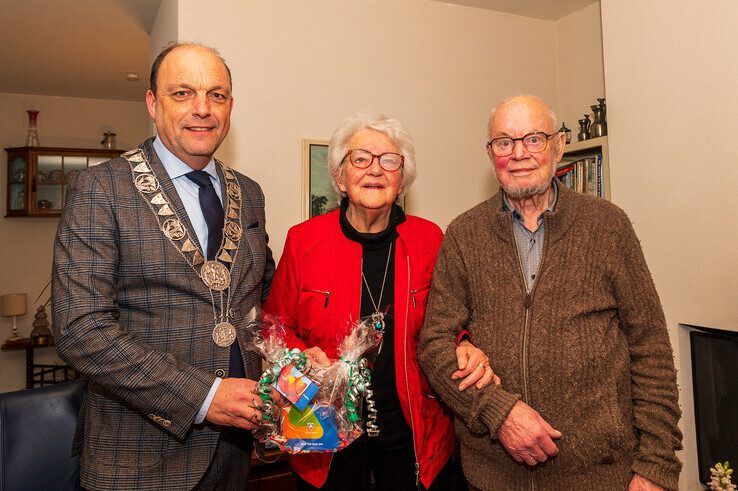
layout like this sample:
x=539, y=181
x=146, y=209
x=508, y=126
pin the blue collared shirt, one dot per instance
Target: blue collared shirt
x=189, y=192
x=530, y=244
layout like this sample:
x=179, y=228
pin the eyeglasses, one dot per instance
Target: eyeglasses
x=533, y=142
x=361, y=159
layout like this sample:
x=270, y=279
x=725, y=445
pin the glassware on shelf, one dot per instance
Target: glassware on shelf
x=19, y=176
x=108, y=140
x=32, y=137
x=55, y=176
x=20, y=201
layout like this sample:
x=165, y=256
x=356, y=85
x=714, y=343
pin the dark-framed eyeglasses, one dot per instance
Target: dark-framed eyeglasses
x=533, y=142
x=361, y=159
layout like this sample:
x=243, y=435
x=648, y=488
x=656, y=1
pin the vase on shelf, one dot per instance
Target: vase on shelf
x=108, y=141
x=599, y=125
x=32, y=137
x=584, y=128
x=566, y=131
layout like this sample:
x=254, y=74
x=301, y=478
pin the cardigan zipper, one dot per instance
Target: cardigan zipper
x=407, y=379
x=527, y=303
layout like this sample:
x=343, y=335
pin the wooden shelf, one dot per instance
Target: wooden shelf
x=586, y=145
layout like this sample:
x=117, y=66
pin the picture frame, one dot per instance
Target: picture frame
x=318, y=195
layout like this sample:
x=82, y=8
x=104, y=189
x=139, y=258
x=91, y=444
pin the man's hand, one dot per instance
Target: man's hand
x=317, y=357
x=236, y=403
x=473, y=367
x=640, y=483
x=527, y=436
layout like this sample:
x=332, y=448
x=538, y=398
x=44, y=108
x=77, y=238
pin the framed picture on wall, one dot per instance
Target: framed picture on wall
x=318, y=195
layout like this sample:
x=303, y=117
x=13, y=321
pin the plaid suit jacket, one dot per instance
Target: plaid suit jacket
x=133, y=317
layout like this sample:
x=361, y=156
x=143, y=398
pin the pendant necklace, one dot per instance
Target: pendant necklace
x=215, y=273
x=377, y=316
x=372, y=429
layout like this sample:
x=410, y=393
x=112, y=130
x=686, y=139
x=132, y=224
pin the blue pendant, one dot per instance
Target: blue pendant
x=378, y=321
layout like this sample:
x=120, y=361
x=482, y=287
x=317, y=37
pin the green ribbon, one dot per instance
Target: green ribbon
x=284, y=358
x=357, y=384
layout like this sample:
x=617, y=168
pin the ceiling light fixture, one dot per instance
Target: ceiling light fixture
x=132, y=76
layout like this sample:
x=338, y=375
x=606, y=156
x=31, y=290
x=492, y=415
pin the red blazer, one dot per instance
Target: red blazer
x=316, y=291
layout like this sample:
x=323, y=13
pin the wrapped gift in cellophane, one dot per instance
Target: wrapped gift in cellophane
x=321, y=407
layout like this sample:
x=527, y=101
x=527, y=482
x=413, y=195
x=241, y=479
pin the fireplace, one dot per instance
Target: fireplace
x=715, y=387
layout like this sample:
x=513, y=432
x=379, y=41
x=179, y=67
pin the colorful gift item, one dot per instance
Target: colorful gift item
x=295, y=387
x=328, y=419
x=284, y=357
x=313, y=429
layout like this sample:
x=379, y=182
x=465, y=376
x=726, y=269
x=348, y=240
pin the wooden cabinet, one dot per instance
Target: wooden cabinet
x=38, y=177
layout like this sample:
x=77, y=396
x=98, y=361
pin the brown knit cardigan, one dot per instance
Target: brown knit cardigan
x=593, y=358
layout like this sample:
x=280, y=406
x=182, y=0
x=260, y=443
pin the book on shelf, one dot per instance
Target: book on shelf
x=582, y=174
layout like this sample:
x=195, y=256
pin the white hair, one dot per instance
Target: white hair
x=364, y=120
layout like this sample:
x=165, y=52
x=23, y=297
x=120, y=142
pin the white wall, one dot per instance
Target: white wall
x=579, y=72
x=299, y=68
x=671, y=71
x=25, y=264
x=165, y=28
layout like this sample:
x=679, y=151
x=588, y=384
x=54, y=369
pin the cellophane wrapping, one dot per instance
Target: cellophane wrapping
x=332, y=419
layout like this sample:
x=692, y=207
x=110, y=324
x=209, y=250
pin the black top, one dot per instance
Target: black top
x=393, y=429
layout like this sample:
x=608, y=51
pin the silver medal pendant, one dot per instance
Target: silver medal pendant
x=224, y=334
x=215, y=275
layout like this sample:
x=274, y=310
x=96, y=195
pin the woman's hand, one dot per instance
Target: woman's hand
x=473, y=367
x=315, y=356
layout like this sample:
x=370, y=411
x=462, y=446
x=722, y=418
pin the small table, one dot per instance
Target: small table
x=39, y=374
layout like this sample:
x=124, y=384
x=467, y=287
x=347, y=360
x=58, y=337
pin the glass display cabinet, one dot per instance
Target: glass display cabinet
x=38, y=177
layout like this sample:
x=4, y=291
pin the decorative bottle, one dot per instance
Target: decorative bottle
x=32, y=138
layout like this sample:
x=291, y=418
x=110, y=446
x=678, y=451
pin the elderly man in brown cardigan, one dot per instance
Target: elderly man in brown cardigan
x=554, y=287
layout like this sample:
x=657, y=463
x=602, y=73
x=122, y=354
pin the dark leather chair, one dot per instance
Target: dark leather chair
x=36, y=432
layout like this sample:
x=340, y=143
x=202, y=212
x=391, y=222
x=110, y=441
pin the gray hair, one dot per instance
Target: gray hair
x=390, y=127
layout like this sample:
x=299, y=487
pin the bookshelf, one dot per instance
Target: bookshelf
x=595, y=148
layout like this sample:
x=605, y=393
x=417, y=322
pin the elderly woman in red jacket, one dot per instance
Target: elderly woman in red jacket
x=368, y=258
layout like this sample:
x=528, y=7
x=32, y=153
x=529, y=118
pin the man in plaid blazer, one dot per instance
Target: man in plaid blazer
x=135, y=305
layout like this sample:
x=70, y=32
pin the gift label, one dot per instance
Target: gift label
x=295, y=387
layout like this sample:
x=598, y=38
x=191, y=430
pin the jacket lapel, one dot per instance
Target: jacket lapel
x=171, y=192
